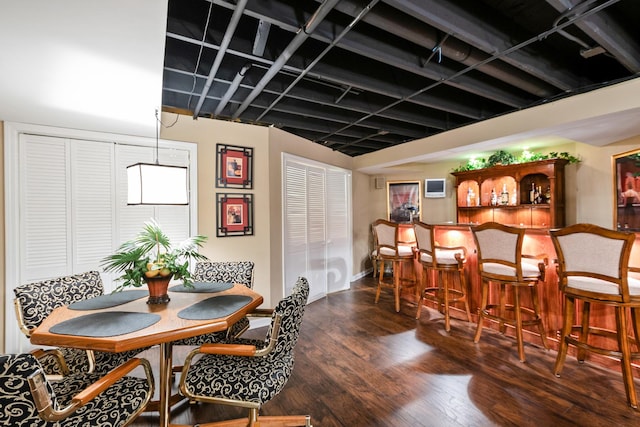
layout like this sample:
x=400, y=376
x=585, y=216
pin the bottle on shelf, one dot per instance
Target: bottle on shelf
x=514, y=197
x=504, y=197
x=471, y=197
x=539, y=196
x=547, y=194
x=494, y=197
x=532, y=193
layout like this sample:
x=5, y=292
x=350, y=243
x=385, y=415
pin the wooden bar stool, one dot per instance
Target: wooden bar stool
x=500, y=261
x=390, y=248
x=593, y=268
x=446, y=262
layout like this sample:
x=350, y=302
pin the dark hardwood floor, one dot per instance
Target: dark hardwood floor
x=362, y=364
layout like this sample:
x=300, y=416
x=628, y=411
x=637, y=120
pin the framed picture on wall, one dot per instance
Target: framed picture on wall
x=234, y=214
x=234, y=166
x=404, y=201
x=626, y=172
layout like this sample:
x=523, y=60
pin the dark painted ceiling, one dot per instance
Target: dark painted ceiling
x=359, y=76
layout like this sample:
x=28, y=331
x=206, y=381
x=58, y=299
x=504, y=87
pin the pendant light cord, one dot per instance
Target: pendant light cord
x=157, y=139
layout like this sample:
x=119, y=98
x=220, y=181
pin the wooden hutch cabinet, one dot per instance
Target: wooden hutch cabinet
x=513, y=186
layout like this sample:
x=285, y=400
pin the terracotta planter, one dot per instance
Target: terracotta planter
x=158, y=289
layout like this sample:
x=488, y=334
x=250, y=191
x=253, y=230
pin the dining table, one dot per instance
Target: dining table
x=123, y=321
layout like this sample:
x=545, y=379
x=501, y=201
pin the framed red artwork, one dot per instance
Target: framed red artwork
x=234, y=166
x=235, y=214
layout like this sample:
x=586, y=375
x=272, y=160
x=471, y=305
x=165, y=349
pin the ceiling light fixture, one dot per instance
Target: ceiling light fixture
x=156, y=184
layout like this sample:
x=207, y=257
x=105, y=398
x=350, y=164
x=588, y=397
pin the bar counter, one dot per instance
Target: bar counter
x=537, y=241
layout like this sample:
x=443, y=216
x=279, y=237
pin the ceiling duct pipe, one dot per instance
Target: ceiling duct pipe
x=232, y=89
x=300, y=37
x=231, y=28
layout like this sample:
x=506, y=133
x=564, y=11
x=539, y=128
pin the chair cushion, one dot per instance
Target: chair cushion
x=403, y=251
x=444, y=256
x=591, y=284
x=529, y=271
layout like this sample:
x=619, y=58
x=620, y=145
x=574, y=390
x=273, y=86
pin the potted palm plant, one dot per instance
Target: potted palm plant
x=150, y=258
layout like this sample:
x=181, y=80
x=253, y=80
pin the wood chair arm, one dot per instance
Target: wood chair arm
x=228, y=349
x=49, y=413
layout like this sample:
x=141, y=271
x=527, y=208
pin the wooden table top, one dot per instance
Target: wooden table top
x=170, y=327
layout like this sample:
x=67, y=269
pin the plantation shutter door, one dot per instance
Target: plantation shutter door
x=316, y=232
x=316, y=212
x=92, y=215
x=295, y=224
x=44, y=207
x=338, y=230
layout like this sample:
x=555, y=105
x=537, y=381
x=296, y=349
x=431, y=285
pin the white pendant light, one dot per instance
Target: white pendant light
x=156, y=184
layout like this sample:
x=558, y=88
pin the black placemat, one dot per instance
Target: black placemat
x=105, y=324
x=203, y=287
x=110, y=300
x=214, y=307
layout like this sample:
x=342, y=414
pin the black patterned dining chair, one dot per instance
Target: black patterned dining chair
x=35, y=301
x=28, y=398
x=222, y=272
x=249, y=373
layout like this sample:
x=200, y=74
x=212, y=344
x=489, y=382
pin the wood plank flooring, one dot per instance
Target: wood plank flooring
x=362, y=364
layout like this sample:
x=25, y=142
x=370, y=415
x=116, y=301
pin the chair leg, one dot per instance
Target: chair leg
x=463, y=289
x=483, y=306
x=518, y=321
x=380, y=277
x=396, y=283
x=502, y=294
x=567, y=323
x=537, y=311
x=635, y=319
x=623, y=343
x=445, y=291
x=424, y=285
x=584, y=330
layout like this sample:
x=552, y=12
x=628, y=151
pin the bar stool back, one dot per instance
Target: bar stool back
x=593, y=268
x=443, y=261
x=500, y=261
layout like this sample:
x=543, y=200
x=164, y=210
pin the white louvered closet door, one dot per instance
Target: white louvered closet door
x=316, y=240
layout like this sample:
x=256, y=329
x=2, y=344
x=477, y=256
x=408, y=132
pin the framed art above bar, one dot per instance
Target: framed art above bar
x=404, y=203
x=234, y=214
x=234, y=166
x=626, y=172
